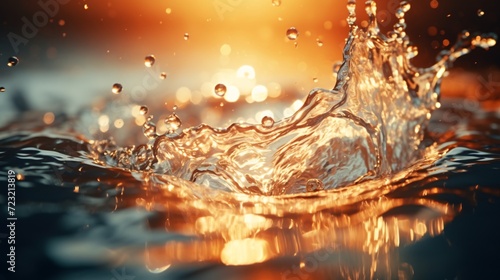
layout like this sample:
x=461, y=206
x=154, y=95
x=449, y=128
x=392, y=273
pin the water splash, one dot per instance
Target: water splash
x=370, y=125
x=366, y=131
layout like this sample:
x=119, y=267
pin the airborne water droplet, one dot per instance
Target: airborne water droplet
x=276, y=3
x=400, y=14
x=220, y=89
x=173, y=123
x=13, y=61
x=149, y=60
x=2, y=89
x=117, y=88
x=143, y=110
x=314, y=185
x=186, y=36
x=149, y=128
x=292, y=33
x=163, y=75
x=480, y=13
x=267, y=122
x=319, y=42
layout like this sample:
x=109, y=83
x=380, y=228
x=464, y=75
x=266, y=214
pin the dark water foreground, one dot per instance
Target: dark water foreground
x=77, y=220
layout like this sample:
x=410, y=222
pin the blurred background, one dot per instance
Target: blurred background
x=71, y=52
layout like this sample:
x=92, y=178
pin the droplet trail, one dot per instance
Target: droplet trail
x=292, y=33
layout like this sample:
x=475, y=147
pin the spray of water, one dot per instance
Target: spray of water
x=370, y=125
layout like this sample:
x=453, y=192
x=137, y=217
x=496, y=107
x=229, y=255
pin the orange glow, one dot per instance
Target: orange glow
x=245, y=251
x=434, y=4
x=223, y=35
x=48, y=118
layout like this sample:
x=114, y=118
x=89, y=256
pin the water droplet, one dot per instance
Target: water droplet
x=315, y=80
x=20, y=176
x=149, y=128
x=143, y=110
x=267, y=122
x=371, y=9
x=2, y=89
x=464, y=34
x=276, y=3
x=175, y=107
x=117, y=88
x=149, y=131
x=163, y=75
x=149, y=60
x=186, y=36
x=399, y=27
x=405, y=6
x=400, y=13
x=412, y=51
x=292, y=33
x=480, y=13
x=319, y=42
x=173, y=123
x=13, y=61
x=220, y=89
x=351, y=8
x=314, y=185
